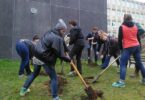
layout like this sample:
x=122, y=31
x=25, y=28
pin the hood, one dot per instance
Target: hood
x=56, y=31
x=60, y=24
x=128, y=23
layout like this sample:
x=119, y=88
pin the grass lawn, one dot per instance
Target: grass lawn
x=10, y=84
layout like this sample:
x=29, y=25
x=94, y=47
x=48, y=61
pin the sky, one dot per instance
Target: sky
x=141, y=0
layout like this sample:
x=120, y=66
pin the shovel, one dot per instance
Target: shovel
x=92, y=94
x=96, y=78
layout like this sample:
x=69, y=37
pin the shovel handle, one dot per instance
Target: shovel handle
x=98, y=76
x=75, y=68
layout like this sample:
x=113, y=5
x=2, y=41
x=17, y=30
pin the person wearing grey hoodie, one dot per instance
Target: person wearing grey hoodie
x=50, y=47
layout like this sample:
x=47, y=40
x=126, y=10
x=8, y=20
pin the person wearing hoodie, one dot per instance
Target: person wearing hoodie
x=129, y=43
x=50, y=47
x=77, y=40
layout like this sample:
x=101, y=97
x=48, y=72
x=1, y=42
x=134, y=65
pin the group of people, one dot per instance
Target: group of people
x=102, y=45
x=44, y=51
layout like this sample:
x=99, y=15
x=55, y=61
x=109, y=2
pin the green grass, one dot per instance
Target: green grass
x=10, y=84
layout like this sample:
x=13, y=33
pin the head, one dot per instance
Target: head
x=127, y=17
x=35, y=38
x=72, y=23
x=103, y=35
x=95, y=29
x=61, y=27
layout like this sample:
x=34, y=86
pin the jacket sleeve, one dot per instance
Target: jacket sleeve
x=66, y=49
x=73, y=37
x=120, y=37
x=58, y=47
x=87, y=36
x=138, y=37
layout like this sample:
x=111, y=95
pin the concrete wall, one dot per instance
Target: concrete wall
x=6, y=27
x=17, y=21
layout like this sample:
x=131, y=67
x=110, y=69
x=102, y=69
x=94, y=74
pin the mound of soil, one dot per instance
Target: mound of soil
x=61, y=83
x=92, y=94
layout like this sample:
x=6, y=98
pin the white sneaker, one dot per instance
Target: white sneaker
x=72, y=73
x=21, y=76
x=142, y=81
x=57, y=98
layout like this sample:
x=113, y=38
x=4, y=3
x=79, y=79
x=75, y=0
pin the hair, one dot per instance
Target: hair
x=73, y=22
x=35, y=37
x=127, y=17
x=95, y=28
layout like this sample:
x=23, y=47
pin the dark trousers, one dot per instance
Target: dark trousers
x=77, y=51
x=99, y=47
x=23, y=52
x=52, y=74
x=95, y=52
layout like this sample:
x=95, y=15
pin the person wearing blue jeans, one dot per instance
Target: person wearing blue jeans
x=112, y=50
x=129, y=42
x=22, y=49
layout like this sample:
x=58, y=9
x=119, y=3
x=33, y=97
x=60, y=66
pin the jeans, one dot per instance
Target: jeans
x=52, y=74
x=23, y=52
x=135, y=51
x=107, y=60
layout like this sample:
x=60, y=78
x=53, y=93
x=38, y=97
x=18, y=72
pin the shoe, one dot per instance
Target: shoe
x=23, y=91
x=134, y=75
x=142, y=81
x=71, y=74
x=57, y=98
x=102, y=67
x=118, y=71
x=118, y=84
x=89, y=61
x=21, y=76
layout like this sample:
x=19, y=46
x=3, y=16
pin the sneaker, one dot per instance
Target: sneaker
x=142, y=81
x=21, y=76
x=23, y=91
x=57, y=98
x=71, y=74
x=134, y=75
x=118, y=84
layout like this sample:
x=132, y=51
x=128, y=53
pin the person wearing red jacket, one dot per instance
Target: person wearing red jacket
x=129, y=43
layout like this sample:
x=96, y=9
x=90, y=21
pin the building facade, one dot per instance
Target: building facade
x=117, y=8
x=24, y=18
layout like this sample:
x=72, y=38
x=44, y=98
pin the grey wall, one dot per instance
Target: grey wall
x=17, y=21
x=6, y=27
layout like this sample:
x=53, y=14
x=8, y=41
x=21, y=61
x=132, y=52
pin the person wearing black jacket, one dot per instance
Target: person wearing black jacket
x=50, y=47
x=92, y=39
x=77, y=40
x=112, y=50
